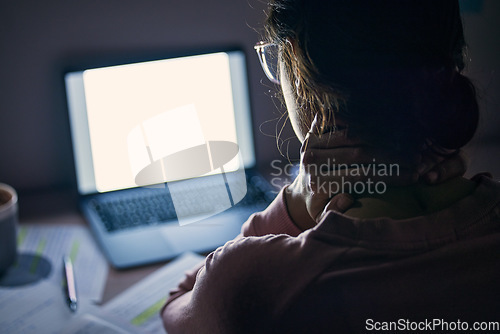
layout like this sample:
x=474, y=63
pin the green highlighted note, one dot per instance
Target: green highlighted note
x=74, y=250
x=39, y=252
x=21, y=235
x=148, y=313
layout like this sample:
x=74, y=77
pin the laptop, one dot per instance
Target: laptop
x=164, y=154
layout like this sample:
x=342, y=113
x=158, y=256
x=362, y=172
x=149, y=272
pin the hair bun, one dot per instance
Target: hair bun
x=455, y=124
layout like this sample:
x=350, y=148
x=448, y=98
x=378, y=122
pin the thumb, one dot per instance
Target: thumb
x=340, y=203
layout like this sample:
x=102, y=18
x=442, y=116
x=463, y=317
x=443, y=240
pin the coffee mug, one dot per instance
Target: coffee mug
x=8, y=225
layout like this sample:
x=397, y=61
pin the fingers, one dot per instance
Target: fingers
x=340, y=203
x=337, y=138
x=316, y=203
x=429, y=161
x=327, y=139
x=443, y=168
x=478, y=176
x=324, y=158
x=311, y=133
x=359, y=181
x=328, y=167
x=314, y=129
x=361, y=154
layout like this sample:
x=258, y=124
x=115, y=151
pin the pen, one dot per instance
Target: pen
x=70, y=288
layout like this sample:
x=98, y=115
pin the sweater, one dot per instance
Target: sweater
x=348, y=274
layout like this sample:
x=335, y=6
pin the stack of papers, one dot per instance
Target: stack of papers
x=137, y=309
x=32, y=298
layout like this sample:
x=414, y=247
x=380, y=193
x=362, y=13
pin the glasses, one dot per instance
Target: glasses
x=269, y=55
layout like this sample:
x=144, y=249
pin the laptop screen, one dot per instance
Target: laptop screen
x=126, y=117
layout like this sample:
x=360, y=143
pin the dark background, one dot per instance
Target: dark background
x=40, y=39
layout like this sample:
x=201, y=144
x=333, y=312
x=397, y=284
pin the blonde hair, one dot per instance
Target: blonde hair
x=391, y=70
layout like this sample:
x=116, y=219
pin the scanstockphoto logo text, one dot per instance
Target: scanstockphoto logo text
x=331, y=177
x=431, y=325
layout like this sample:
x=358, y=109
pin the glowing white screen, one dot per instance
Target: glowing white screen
x=119, y=98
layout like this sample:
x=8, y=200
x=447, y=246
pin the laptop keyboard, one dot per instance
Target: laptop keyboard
x=154, y=206
x=132, y=211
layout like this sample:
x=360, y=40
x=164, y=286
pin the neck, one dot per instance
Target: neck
x=411, y=201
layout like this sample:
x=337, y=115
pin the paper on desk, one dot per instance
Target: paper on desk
x=140, y=305
x=52, y=242
x=102, y=323
x=37, y=308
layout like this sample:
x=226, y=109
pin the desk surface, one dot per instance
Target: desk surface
x=59, y=207
x=117, y=280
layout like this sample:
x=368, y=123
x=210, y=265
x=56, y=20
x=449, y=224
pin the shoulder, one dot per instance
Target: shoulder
x=273, y=220
x=259, y=268
x=238, y=282
x=241, y=252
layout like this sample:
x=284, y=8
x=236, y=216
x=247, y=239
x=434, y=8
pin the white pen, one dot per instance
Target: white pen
x=70, y=287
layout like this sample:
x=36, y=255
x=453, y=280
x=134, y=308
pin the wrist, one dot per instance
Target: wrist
x=297, y=210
